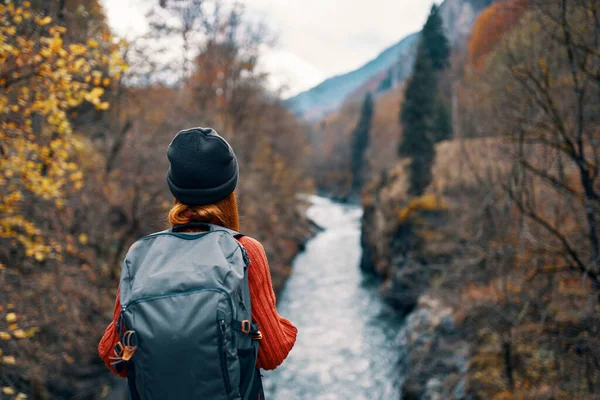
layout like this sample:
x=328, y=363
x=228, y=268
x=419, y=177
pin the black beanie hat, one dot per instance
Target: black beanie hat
x=203, y=167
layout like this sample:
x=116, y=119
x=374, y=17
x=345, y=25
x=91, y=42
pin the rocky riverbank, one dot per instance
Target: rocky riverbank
x=415, y=246
x=436, y=359
x=403, y=245
x=485, y=318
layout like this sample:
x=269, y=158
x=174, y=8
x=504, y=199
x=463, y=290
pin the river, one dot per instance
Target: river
x=346, y=346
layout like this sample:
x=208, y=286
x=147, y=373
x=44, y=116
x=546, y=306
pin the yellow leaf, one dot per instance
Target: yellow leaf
x=31, y=332
x=44, y=21
x=21, y=396
x=56, y=44
x=83, y=238
x=73, y=102
x=94, y=95
x=77, y=49
x=68, y=358
x=103, y=106
x=92, y=43
x=78, y=64
x=19, y=334
x=18, y=19
x=4, y=335
x=8, y=390
x=12, y=327
x=11, y=317
x=9, y=360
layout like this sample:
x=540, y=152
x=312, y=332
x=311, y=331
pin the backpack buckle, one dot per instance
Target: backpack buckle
x=246, y=326
x=124, y=349
x=257, y=336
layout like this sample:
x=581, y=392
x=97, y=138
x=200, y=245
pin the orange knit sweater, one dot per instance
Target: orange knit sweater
x=279, y=335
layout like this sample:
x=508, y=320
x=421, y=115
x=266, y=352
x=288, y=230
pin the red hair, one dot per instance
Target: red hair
x=223, y=212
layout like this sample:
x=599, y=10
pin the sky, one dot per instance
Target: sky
x=315, y=39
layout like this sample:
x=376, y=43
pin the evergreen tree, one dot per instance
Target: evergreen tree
x=360, y=142
x=442, y=123
x=386, y=83
x=420, y=113
x=435, y=45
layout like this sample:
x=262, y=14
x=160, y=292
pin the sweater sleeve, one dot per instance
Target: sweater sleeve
x=110, y=339
x=279, y=334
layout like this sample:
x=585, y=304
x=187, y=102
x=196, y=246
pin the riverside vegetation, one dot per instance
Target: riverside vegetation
x=86, y=120
x=488, y=241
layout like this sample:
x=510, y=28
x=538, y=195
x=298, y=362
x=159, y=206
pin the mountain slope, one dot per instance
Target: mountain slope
x=330, y=94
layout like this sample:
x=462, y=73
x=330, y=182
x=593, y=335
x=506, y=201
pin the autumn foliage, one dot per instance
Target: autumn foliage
x=42, y=78
x=491, y=26
x=501, y=278
x=83, y=164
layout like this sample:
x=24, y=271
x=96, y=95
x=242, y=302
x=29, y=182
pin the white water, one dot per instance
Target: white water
x=346, y=347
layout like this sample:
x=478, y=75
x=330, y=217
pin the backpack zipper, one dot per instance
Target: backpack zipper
x=241, y=299
x=150, y=298
x=160, y=296
x=223, y=355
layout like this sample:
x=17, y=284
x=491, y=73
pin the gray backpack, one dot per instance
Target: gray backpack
x=186, y=310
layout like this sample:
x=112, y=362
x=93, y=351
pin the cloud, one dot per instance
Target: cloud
x=324, y=33
x=334, y=36
x=288, y=72
x=127, y=17
x=315, y=38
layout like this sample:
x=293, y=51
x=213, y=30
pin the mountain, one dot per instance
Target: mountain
x=459, y=17
x=331, y=93
x=396, y=61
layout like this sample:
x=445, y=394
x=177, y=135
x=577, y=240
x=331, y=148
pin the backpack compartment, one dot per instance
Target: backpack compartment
x=184, y=352
x=248, y=368
x=165, y=262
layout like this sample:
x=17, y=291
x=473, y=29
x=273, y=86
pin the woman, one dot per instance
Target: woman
x=202, y=177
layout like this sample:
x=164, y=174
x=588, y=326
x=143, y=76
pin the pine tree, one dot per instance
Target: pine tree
x=360, y=142
x=420, y=114
x=386, y=83
x=435, y=45
x=441, y=128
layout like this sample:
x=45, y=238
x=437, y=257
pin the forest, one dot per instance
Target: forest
x=86, y=120
x=486, y=222
x=475, y=159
